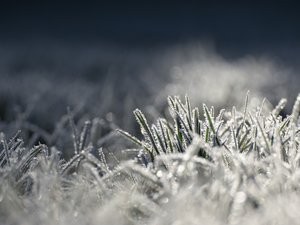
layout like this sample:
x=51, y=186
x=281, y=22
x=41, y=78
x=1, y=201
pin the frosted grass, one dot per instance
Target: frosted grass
x=192, y=167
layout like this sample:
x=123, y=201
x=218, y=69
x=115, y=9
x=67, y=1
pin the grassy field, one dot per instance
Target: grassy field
x=72, y=152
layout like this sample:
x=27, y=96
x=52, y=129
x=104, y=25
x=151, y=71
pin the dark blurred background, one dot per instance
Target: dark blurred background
x=105, y=58
x=237, y=26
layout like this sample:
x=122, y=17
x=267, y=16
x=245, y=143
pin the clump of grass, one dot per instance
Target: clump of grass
x=249, y=132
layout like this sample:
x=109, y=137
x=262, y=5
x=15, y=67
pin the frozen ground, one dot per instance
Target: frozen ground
x=103, y=84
